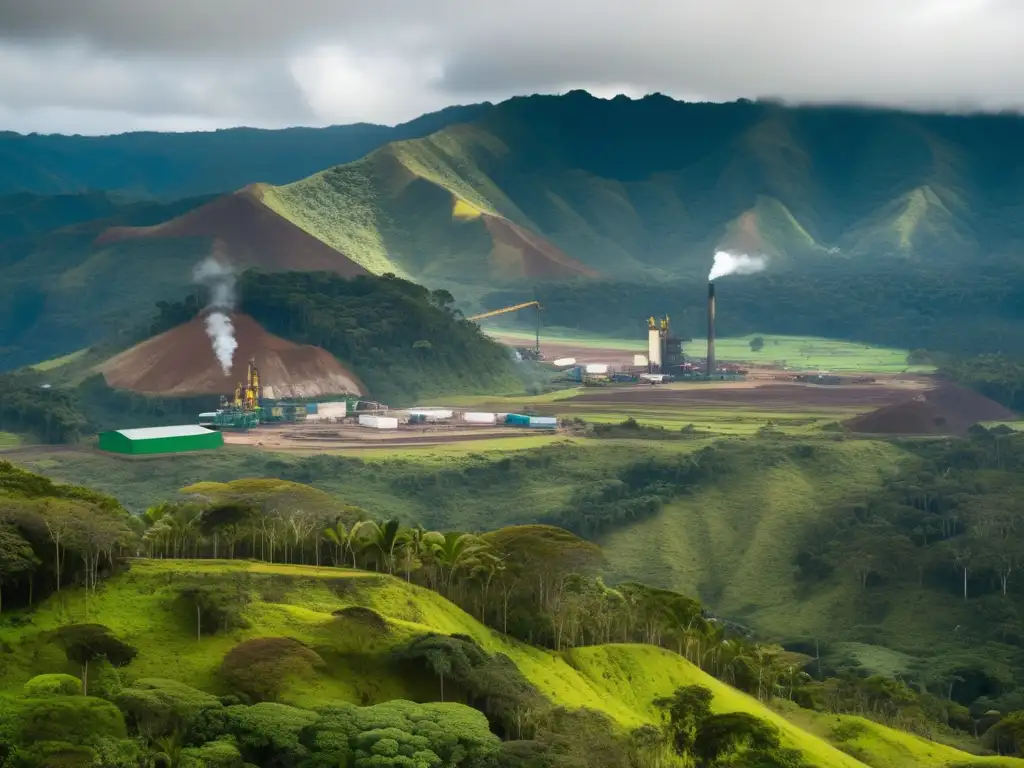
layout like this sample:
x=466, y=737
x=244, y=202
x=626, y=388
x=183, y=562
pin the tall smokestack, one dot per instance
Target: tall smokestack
x=711, y=330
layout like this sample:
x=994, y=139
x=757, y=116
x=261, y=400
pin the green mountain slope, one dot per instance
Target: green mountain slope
x=172, y=165
x=615, y=190
x=143, y=607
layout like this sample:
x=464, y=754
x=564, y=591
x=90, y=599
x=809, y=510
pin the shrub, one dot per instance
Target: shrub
x=41, y=686
x=262, y=668
x=71, y=719
x=214, y=754
x=156, y=708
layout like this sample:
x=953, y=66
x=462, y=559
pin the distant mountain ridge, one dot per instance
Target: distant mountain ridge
x=533, y=191
x=167, y=166
x=650, y=188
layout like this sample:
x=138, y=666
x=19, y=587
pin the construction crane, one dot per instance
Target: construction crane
x=514, y=308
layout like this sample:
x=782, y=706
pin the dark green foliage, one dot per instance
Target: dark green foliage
x=734, y=739
x=996, y=376
x=47, y=415
x=156, y=708
x=904, y=305
x=214, y=754
x=74, y=719
x=86, y=642
x=268, y=734
x=1006, y=737
x=216, y=608
x=399, y=734
x=148, y=164
x=42, y=686
x=639, y=491
x=491, y=683
x=374, y=324
x=261, y=669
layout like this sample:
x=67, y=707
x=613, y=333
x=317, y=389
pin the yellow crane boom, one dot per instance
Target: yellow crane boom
x=502, y=311
x=513, y=308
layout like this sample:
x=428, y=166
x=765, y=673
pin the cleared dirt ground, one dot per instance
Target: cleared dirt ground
x=346, y=437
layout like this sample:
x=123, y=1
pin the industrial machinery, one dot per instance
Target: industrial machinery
x=664, y=351
x=514, y=308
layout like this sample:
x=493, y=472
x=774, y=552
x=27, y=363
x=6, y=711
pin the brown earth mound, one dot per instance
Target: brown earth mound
x=946, y=410
x=248, y=233
x=521, y=253
x=181, y=362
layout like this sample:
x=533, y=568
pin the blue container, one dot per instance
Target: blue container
x=543, y=422
x=517, y=420
x=310, y=407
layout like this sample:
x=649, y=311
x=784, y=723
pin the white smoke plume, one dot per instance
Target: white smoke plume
x=736, y=264
x=220, y=279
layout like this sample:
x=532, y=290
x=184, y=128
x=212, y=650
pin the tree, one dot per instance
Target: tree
x=16, y=555
x=757, y=344
x=384, y=539
x=84, y=643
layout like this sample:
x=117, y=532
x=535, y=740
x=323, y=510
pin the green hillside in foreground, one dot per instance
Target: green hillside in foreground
x=142, y=607
x=653, y=187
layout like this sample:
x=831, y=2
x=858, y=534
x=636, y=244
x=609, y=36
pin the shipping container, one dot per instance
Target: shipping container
x=311, y=408
x=543, y=422
x=597, y=368
x=517, y=420
x=378, y=422
x=479, y=418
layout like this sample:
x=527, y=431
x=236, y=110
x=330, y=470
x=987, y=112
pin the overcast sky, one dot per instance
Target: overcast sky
x=107, y=66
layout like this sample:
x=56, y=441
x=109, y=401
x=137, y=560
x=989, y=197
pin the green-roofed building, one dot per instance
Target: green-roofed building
x=150, y=440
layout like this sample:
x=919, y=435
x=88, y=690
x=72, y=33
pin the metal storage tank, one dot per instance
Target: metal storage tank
x=543, y=422
x=150, y=440
x=517, y=420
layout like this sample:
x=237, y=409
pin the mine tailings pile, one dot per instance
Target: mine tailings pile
x=947, y=409
x=181, y=362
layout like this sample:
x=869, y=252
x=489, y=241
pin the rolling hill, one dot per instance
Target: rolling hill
x=307, y=604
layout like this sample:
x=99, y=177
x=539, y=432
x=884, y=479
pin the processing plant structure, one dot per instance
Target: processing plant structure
x=253, y=405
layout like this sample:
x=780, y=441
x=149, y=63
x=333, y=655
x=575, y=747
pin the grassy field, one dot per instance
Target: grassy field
x=59, y=362
x=795, y=352
x=620, y=680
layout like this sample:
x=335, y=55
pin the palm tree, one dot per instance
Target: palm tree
x=343, y=539
x=455, y=551
x=386, y=539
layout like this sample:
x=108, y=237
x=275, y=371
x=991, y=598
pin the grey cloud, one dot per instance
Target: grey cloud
x=274, y=62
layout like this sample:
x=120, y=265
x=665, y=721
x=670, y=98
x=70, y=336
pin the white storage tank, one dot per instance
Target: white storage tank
x=479, y=418
x=564, y=362
x=597, y=368
x=378, y=422
x=543, y=422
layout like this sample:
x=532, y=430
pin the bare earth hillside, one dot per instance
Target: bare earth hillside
x=181, y=362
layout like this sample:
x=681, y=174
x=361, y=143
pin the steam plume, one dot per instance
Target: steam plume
x=220, y=279
x=736, y=264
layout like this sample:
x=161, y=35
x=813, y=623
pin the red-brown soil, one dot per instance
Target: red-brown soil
x=527, y=254
x=248, y=233
x=181, y=362
x=946, y=410
x=556, y=350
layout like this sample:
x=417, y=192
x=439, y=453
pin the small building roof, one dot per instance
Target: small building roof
x=152, y=433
